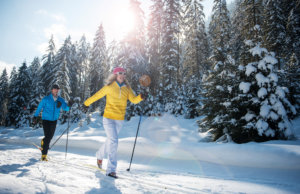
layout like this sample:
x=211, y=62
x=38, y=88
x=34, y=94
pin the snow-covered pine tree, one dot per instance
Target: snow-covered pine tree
x=3, y=96
x=274, y=27
x=20, y=97
x=48, y=66
x=74, y=72
x=154, y=42
x=195, y=54
x=37, y=91
x=292, y=52
x=220, y=32
x=61, y=70
x=236, y=43
x=252, y=19
x=219, y=88
x=135, y=41
x=83, y=56
x=219, y=83
x=290, y=77
x=132, y=55
x=62, y=75
x=170, y=54
x=12, y=108
x=261, y=107
x=292, y=9
x=76, y=113
x=263, y=104
x=112, y=53
x=98, y=66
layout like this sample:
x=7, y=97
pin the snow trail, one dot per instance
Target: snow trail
x=172, y=162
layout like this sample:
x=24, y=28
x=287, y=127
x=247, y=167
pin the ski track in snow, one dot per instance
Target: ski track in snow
x=170, y=163
x=60, y=175
x=24, y=171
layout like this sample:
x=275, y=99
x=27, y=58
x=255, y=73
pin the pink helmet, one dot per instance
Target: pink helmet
x=118, y=69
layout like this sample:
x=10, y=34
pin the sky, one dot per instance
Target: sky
x=27, y=25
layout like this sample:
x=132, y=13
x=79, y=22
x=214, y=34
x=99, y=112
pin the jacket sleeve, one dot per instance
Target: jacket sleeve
x=64, y=105
x=134, y=99
x=41, y=105
x=100, y=94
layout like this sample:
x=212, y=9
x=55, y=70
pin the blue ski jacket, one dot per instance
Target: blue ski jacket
x=50, y=110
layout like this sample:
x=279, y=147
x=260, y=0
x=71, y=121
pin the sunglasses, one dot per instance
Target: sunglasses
x=121, y=73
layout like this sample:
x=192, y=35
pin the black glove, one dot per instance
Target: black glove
x=58, y=104
x=34, y=120
x=85, y=109
x=144, y=95
x=71, y=102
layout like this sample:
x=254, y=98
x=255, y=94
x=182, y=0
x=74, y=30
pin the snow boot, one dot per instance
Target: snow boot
x=99, y=163
x=44, y=157
x=113, y=175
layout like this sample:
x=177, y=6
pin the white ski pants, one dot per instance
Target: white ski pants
x=110, y=148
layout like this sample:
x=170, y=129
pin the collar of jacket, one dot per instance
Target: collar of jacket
x=52, y=97
x=120, y=85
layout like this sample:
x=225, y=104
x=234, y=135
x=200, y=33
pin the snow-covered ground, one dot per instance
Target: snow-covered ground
x=168, y=159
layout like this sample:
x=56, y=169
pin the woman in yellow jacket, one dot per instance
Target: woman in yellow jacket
x=117, y=91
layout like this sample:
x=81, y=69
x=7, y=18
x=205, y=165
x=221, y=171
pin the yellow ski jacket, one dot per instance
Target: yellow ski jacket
x=116, y=100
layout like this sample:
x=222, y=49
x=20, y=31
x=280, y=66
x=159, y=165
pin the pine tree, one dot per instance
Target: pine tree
x=74, y=68
x=83, y=57
x=113, y=51
x=195, y=54
x=257, y=108
x=76, y=113
x=154, y=53
x=48, y=66
x=251, y=25
x=62, y=70
x=274, y=28
x=170, y=54
x=219, y=31
x=98, y=65
x=19, y=97
x=63, y=62
x=219, y=88
x=237, y=42
x=37, y=91
x=263, y=104
x=219, y=83
x=3, y=96
x=290, y=77
x=11, y=105
x=132, y=55
x=292, y=9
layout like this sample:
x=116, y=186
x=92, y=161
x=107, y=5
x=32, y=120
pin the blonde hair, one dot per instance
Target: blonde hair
x=112, y=78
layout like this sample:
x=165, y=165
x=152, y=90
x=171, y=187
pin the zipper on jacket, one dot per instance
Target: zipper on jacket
x=53, y=111
x=120, y=88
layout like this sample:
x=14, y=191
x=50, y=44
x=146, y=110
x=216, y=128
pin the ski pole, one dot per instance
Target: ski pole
x=135, y=142
x=60, y=136
x=67, y=135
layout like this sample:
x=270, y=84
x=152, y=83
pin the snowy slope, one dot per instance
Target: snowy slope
x=168, y=159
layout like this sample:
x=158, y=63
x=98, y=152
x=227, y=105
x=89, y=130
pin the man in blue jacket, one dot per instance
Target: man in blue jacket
x=51, y=106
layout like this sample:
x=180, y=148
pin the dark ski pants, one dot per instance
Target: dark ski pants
x=49, y=130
